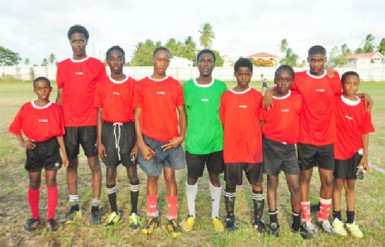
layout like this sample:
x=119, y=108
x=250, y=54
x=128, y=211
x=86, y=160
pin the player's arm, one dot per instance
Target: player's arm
x=176, y=141
x=268, y=98
x=99, y=144
x=147, y=152
x=28, y=144
x=59, y=96
x=367, y=100
x=364, y=159
x=60, y=141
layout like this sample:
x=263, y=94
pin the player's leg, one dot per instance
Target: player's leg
x=172, y=201
x=233, y=176
x=33, y=200
x=114, y=216
x=132, y=174
x=272, y=185
x=353, y=228
x=52, y=196
x=292, y=181
x=338, y=225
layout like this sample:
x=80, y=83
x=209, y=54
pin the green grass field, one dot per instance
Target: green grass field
x=14, y=209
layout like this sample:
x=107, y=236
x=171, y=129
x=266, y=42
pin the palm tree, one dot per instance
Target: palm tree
x=207, y=35
x=290, y=58
x=381, y=47
x=369, y=43
x=345, y=50
x=283, y=46
x=52, y=58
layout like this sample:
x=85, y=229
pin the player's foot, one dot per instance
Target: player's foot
x=273, y=229
x=134, y=221
x=95, y=217
x=189, y=223
x=231, y=225
x=32, y=224
x=113, y=219
x=51, y=225
x=260, y=225
x=72, y=216
x=173, y=228
x=305, y=234
x=309, y=229
x=218, y=226
x=152, y=223
x=338, y=227
x=326, y=226
x=354, y=230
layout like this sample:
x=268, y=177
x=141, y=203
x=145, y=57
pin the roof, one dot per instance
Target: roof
x=365, y=55
x=262, y=55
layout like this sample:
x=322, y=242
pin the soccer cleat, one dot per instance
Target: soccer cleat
x=305, y=234
x=260, y=225
x=309, y=229
x=173, y=228
x=218, y=226
x=152, y=223
x=354, y=230
x=326, y=226
x=273, y=229
x=231, y=224
x=338, y=227
x=51, y=225
x=72, y=216
x=95, y=217
x=189, y=223
x=113, y=219
x=32, y=224
x=134, y=221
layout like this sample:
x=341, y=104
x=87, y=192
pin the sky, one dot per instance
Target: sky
x=37, y=28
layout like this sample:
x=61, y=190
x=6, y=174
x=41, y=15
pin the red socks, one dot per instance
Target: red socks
x=172, y=207
x=151, y=205
x=33, y=200
x=52, y=194
x=305, y=210
x=324, y=209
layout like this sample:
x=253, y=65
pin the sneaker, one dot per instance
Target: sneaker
x=231, y=225
x=152, y=223
x=218, y=226
x=32, y=224
x=134, y=221
x=189, y=223
x=354, y=230
x=309, y=229
x=305, y=234
x=95, y=217
x=51, y=225
x=338, y=227
x=260, y=225
x=72, y=216
x=273, y=229
x=113, y=219
x=326, y=226
x=174, y=228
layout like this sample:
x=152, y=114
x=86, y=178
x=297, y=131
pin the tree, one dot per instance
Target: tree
x=207, y=35
x=143, y=53
x=44, y=62
x=369, y=43
x=8, y=57
x=290, y=58
x=219, y=59
x=52, y=58
x=190, y=50
x=26, y=61
x=345, y=50
x=283, y=46
x=381, y=46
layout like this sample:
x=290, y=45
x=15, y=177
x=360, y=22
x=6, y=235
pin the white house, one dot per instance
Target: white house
x=180, y=62
x=365, y=59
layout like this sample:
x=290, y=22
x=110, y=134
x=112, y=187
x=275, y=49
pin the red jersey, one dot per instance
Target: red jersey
x=282, y=119
x=77, y=79
x=239, y=112
x=116, y=98
x=317, y=121
x=352, y=122
x=158, y=100
x=38, y=124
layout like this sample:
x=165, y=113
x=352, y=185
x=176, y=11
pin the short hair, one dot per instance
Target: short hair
x=317, y=49
x=243, y=62
x=41, y=78
x=78, y=29
x=118, y=48
x=206, y=51
x=348, y=73
x=162, y=48
x=284, y=67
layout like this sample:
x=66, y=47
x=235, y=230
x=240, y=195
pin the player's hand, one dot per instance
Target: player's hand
x=102, y=151
x=330, y=71
x=175, y=142
x=134, y=153
x=364, y=164
x=267, y=99
x=29, y=144
x=368, y=102
x=147, y=152
x=65, y=163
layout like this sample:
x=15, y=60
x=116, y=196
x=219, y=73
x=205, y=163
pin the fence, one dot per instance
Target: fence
x=25, y=73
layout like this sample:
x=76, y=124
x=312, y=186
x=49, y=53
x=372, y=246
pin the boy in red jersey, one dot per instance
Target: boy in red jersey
x=41, y=122
x=116, y=132
x=242, y=151
x=280, y=129
x=157, y=99
x=76, y=79
x=353, y=127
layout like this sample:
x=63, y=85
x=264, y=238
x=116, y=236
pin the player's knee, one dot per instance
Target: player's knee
x=34, y=184
x=191, y=181
x=51, y=182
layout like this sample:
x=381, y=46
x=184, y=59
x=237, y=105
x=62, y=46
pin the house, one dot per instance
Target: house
x=228, y=61
x=180, y=62
x=264, y=59
x=365, y=59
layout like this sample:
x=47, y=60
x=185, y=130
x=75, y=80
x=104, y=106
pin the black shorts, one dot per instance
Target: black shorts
x=118, y=139
x=347, y=169
x=279, y=157
x=45, y=155
x=234, y=172
x=321, y=156
x=85, y=136
x=196, y=163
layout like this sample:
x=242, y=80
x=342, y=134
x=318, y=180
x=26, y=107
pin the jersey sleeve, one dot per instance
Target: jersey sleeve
x=60, y=116
x=102, y=74
x=99, y=95
x=367, y=124
x=180, y=99
x=60, y=78
x=138, y=96
x=15, y=127
x=222, y=108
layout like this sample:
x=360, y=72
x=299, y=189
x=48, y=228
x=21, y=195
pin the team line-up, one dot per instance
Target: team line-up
x=310, y=118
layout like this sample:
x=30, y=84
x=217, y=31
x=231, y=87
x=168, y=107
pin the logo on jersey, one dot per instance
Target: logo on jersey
x=43, y=120
x=242, y=106
x=116, y=93
x=285, y=110
x=320, y=90
x=205, y=100
x=349, y=117
x=160, y=92
x=78, y=73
